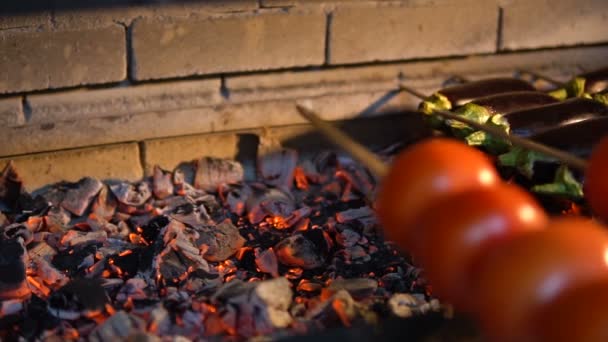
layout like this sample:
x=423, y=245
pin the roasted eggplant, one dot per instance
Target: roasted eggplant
x=532, y=121
x=458, y=95
x=551, y=177
x=601, y=97
x=482, y=109
x=583, y=85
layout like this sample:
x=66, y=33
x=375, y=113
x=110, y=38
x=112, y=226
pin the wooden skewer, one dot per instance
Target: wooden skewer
x=377, y=167
x=412, y=91
x=358, y=151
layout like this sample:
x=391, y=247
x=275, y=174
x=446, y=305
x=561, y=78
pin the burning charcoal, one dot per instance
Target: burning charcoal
x=339, y=308
x=277, y=167
x=354, y=214
x=162, y=184
x=57, y=219
x=78, y=298
x=160, y=321
x=266, y=261
x=143, y=337
x=403, y=305
x=348, y=238
x=213, y=172
x=74, y=237
x=151, y=230
x=256, y=308
x=309, y=286
x=3, y=220
x=10, y=307
x=17, y=230
x=271, y=202
x=132, y=194
x=357, y=254
x=79, y=195
x=191, y=214
x=11, y=187
x=358, y=288
x=299, y=251
x=235, y=196
x=42, y=250
x=13, y=259
x=275, y=296
x=221, y=241
x=105, y=204
x=44, y=270
x=119, y=326
x=174, y=267
x=184, y=173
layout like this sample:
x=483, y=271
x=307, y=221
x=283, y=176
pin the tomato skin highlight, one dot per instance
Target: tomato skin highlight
x=422, y=174
x=519, y=277
x=596, y=180
x=580, y=314
x=456, y=230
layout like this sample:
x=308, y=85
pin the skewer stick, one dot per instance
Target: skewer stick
x=542, y=77
x=564, y=157
x=412, y=91
x=337, y=136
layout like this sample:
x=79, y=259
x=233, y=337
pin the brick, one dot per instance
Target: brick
x=170, y=152
x=11, y=112
x=562, y=22
x=73, y=13
x=97, y=131
x=568, y=61
x=42, y=60
x=195, y=47
x=299, y=84
x=333, y=102
x=359, y=34
x=120, y=101
x=25, y=20
x=106, y=162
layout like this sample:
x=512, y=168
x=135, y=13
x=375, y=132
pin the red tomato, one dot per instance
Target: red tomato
x=580, y=314
x=421, y=175
x=596, y=180
x=518, y=277
x=457, y=229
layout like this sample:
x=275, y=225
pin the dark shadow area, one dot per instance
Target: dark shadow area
x=375, y=132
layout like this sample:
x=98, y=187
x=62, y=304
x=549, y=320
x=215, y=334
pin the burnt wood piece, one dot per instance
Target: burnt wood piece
x=530, y=122
x=467, y=92
x=596, y=80
x=213, y=172
x=514, y=101
x=79, y=195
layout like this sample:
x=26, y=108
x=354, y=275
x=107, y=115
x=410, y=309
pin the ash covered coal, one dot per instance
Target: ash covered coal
x=199, y=254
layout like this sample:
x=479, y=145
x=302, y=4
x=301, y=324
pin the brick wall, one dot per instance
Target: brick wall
x=75, y=79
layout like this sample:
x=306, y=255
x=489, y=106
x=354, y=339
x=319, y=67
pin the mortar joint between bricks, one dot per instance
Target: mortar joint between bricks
x=328, y=22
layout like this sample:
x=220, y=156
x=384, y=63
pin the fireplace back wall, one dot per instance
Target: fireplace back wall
x=109, y=91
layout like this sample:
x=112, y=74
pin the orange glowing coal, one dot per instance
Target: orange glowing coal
x=300, y=177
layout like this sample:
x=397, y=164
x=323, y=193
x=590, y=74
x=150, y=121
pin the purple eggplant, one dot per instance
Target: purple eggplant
x=530, y=122
x=467, y=92
x=578, y=138
x=595, y=81
x=458, y=95
x=514, y=101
